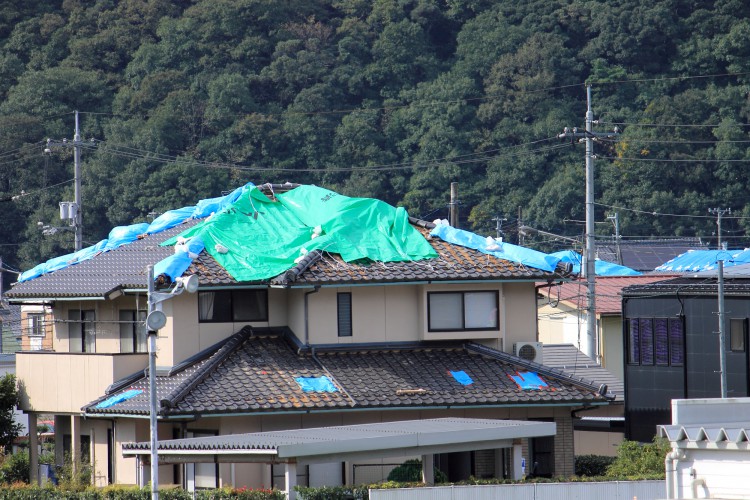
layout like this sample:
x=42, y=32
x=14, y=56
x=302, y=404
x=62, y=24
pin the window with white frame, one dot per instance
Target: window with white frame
x=462, y=311
x=35, y=324
x=82, y=330
x=133, y=331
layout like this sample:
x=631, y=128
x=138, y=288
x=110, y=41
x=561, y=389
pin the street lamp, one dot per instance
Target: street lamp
x=156, y=320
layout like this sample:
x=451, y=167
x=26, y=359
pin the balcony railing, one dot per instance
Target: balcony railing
x=52, y=382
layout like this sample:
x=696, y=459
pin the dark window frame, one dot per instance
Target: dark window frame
x=345, y=326
x=650, y=350
x=87, y=328
x=462, y=295
x=231, y=301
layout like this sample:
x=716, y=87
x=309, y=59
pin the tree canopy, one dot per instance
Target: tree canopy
x=393, y=99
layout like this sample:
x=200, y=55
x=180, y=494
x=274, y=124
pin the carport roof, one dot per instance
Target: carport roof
x=323, y=444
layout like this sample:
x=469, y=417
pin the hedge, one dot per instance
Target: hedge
x=26, y=492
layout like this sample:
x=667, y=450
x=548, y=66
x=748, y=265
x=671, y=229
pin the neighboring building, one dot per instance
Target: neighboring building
x=562, y=316
x=10, y=326
x=323, y=342
x=645, y=255
x=710, y=452
x=672, y=345
x=598, y=431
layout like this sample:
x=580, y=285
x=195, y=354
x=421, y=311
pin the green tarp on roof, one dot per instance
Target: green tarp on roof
x=257, y=238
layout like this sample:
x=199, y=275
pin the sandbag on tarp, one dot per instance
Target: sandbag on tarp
x=256, y=238
x=601, y=267
x=507, y=251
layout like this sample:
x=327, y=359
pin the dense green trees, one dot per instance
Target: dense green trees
x=393, y=99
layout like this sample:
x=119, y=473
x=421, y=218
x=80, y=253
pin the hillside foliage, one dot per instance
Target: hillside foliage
x=393, y=99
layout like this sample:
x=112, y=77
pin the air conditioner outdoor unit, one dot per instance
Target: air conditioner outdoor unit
x=530, y=351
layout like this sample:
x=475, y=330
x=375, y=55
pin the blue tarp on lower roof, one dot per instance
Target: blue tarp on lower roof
x=316, y=384
x=462, y=378
x=529, y=381
x=119, y=398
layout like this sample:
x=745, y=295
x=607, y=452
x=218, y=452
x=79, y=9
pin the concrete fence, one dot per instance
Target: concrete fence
x=613, y=490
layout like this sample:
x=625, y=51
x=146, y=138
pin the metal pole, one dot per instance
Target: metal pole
x=722, y=347
x=590, y=268
x=152, y=392
x=454, y=204
x=78, y=222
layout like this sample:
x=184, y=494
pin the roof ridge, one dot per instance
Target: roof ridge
x=548, y=371
x=173, y=398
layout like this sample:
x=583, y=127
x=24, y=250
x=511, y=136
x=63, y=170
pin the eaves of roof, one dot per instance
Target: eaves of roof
x=687, y=286
x=254, y=372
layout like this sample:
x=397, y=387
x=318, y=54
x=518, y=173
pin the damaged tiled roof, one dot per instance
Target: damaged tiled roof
x=255, y=372
x=125, y=268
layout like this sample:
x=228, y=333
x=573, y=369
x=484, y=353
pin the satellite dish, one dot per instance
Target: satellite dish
x=156, y=320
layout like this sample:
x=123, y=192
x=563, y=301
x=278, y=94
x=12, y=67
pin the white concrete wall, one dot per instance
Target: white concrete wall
x=714, y=474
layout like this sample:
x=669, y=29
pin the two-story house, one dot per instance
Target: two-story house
x=312, y=310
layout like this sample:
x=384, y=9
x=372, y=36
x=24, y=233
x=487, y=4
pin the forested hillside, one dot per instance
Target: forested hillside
x=393, y=99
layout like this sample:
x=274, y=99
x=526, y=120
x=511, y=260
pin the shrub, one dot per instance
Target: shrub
x=636, y=459
x=592, y=465
x=333, y=493
x=411, y=472
x=15, y=468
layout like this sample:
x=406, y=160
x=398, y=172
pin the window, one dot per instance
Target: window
x=226, y=306
x=449, y=311
x=82, y=330
x=133, y=331
x=344, y=313
x=737, y=329
x=35, y=324
x=655, y=341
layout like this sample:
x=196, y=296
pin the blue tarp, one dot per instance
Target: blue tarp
x=119, y=398
x=501, y=250
x=462, y=378
x=209, y=206
x=316, y=384
x=705, y=260
x=601, y=267
x=529, y=380
x=170, y=219
x=176, y=264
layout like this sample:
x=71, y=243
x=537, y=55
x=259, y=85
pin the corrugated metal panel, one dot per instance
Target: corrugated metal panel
x=616, y=490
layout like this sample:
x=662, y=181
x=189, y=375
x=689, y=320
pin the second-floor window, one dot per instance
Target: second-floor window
x=133, y=331
x=82, y=330
x=656, y=341
x=454, y=311
x=344, y=313
x=226, y=306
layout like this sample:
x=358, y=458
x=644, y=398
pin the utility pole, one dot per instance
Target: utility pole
x=722, y=346
x=454, y=205
x=589, y=257
x=73, y=211
x=719, y=212
x=499, y=225
x=616, y=221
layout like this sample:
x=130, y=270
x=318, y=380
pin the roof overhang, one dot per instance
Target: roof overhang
x=349, y=442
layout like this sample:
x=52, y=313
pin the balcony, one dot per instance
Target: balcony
x=52, y=382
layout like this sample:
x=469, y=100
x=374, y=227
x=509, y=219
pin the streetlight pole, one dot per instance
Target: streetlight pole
x=155, y=320
x=153, y=409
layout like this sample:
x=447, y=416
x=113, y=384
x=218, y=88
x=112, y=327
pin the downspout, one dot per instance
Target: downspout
x=307, y=325
x=670, y=467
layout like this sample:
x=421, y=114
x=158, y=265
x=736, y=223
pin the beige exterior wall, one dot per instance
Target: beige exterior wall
x=612, y=345
x=63, y=383
x=518, y=323
x=559, y=324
